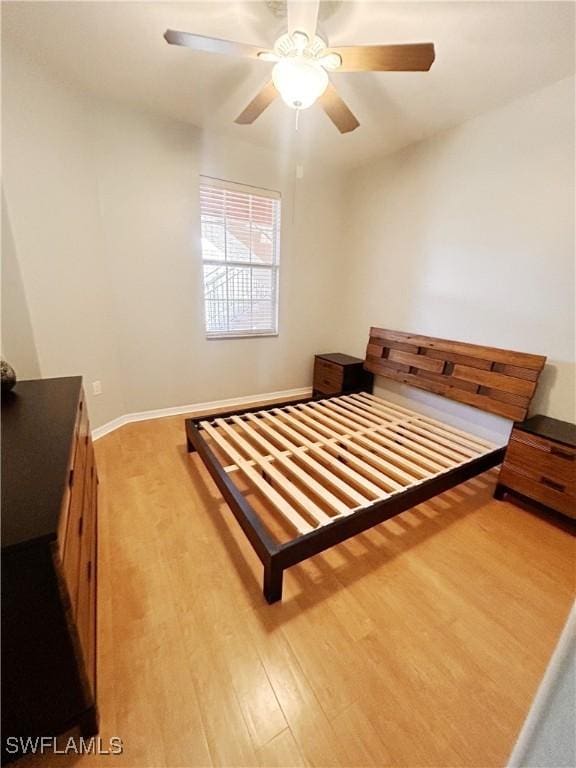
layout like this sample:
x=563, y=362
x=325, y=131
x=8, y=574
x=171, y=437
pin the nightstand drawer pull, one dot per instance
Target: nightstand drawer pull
x=553, y=484
x=562, y=454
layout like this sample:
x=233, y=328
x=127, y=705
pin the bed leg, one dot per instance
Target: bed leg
x=499, y=492
x=190, y=447
x=273, y=576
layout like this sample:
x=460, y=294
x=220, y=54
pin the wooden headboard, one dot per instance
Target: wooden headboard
x=495, y=380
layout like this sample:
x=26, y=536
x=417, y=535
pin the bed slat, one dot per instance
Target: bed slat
x=402, y=450
x=364, y=396
x=307, y=479
x=424, y=430
x=391, y=473
x=438, y=448
x=349, y=478
x=320, y=458
x=273, y=472
x=277, y=501
x=419, y=447
x=414, y=469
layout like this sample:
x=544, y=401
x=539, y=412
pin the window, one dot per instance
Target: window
x=240, y=255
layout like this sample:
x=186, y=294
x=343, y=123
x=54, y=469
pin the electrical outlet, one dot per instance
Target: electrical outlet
x=299, y=171
x=96, y=387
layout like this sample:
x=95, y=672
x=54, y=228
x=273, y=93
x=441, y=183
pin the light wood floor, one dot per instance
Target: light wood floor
x=418, y=643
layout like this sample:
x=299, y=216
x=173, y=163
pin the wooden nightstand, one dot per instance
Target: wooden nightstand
x=337, y=374
x=540, y=464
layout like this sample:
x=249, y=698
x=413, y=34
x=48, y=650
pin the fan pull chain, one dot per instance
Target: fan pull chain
x=297, y=118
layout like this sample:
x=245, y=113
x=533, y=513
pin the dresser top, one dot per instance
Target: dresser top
x=38, y=419
x=552, y=429
x=340, y=359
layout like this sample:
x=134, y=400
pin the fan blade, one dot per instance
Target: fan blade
x=263, y=99
x=303, y=16
x=337, y=110
x=212, y=44
x=416, y=57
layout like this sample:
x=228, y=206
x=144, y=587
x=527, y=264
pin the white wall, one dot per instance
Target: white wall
x=470, y=235
x=106, y=226
x=18, y=344
x=51, y=197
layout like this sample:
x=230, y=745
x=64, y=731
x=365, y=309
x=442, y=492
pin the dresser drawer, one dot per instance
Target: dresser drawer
x=71, y=554
x=66, y=499
x=513, y=477
x=75, y=522
x=86, y=605
x=539, y=457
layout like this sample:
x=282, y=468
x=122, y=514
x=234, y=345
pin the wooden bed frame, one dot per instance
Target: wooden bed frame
x=333, y=467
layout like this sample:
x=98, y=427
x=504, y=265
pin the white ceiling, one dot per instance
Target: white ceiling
x=487, y=53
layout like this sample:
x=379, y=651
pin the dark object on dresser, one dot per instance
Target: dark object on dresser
x=7, y=375
x=338, y=374
x=49, y=508
x=540, y=464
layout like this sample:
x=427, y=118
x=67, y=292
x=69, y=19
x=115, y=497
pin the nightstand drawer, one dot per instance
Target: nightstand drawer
x=565, y=452
x=544, y=490
x=542, y=458
x=328, y=377
x=326, y=368
x=327, y=385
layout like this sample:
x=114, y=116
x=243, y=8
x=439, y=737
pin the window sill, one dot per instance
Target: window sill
x=220, y=336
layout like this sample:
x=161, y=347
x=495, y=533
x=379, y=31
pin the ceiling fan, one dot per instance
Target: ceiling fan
x=302, y=61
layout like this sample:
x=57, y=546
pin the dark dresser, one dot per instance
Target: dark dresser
x=540, y=464
x=49, y=555
x=338, y=374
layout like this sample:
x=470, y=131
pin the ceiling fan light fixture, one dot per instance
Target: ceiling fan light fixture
x=299, y=44
x=300, y=40
x=299, y=81
x=267, y=56
x=331, y=61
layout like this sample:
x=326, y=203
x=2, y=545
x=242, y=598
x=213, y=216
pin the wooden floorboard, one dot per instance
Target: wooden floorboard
x=420, y=642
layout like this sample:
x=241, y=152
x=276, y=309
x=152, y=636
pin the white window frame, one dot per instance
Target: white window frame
x=274, y=267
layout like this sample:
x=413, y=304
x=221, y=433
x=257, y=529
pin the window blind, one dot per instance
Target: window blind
x=240, y=229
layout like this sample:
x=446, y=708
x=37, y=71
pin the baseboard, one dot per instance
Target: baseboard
x=199, y=408
x=110, y=426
